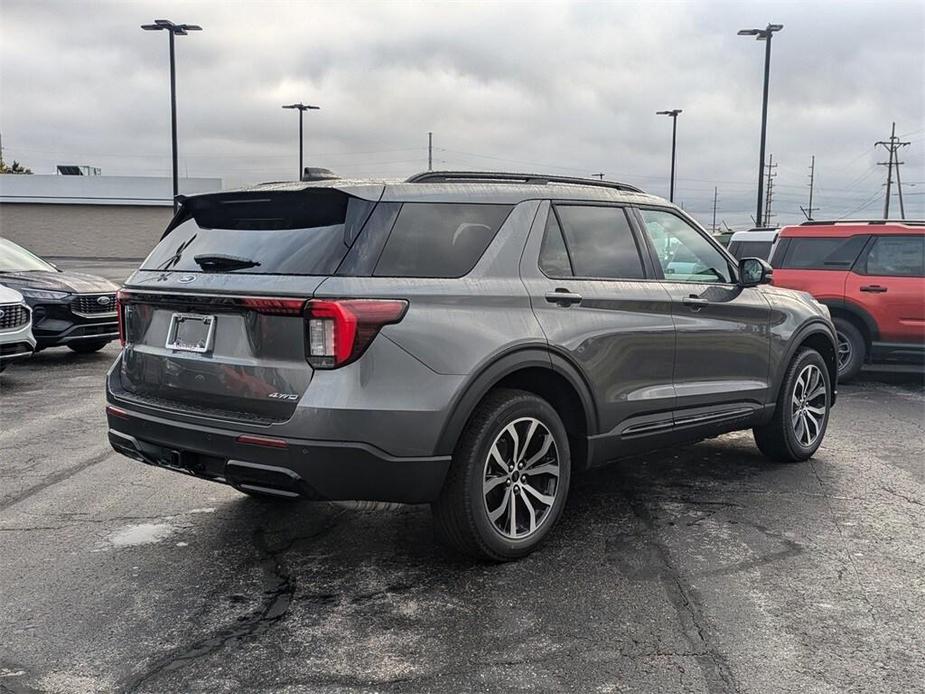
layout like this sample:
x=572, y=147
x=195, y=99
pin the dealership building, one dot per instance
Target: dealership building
x=76, y=215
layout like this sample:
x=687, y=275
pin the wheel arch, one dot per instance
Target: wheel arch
x=819, y=336
x=538, y=370
x=857, y=315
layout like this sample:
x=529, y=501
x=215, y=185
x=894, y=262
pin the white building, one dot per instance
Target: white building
x=90, y=216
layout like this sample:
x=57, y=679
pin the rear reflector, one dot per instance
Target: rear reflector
x=264, y=441
x=338, y=331
x=116, y=412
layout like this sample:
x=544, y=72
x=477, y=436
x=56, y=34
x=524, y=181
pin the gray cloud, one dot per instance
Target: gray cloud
x=565, y=87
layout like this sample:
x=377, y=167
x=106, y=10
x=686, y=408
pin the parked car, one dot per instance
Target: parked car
x=16, y=341
x=871, y=275
x=462, y=339
x=70, y=309
x=754, y=243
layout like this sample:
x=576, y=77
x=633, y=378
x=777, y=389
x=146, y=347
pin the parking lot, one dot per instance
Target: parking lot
x=701, y=569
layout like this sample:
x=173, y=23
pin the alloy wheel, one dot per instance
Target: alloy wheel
x=809, y=404
x=844, y=350
x=520, y=479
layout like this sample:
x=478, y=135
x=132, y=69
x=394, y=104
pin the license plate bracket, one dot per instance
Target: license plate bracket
x=191, y=332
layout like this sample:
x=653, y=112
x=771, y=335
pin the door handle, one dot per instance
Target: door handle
x=873, y=289
x=563, y=297
x=694, y=302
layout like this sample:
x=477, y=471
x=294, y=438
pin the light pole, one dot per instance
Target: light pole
x=674, y=139
x=302, y=109
x=763, y=35
x=172, y=30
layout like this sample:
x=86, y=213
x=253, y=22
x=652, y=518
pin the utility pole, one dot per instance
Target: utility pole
x=598, y=176
x=430, y=151
x=771, y=177
x=892, y=146
x=172, y=31
x=715, y=191
x=808, y=211
x=302, y=108
x=763, y=35
x=674, y=140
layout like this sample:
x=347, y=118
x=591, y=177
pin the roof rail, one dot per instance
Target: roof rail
x=507, y=177
x=910, y=222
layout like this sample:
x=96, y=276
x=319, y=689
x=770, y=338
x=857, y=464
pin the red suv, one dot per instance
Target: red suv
x=871, y=275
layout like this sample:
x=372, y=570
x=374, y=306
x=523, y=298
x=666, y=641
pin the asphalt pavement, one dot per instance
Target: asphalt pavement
x=698, y=569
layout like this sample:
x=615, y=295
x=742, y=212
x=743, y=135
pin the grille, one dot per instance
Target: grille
x=89, y=304
x=14, y=316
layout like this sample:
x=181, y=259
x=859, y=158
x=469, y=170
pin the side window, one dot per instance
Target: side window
x=599, y=242
x=554, y=260
x=897, y=256
x=439, y=240
x=822, y=253
x=683, y=252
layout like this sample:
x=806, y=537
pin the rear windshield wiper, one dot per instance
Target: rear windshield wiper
x=217, y=263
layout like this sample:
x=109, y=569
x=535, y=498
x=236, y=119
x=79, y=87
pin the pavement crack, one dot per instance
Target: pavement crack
x=278, y=596
x=715, y=668
x=844, y=542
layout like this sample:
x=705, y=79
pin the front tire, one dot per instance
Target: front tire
x=801, y=415
x=851, y=349
x=88, y=347
x=509, y=478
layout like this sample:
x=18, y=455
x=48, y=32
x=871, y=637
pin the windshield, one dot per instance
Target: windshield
x=15, y=258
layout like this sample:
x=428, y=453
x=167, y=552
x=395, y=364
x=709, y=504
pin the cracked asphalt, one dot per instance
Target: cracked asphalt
x=699, y=569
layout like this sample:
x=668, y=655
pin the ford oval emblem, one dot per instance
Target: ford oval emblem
x=103, y=300
x=186, y=279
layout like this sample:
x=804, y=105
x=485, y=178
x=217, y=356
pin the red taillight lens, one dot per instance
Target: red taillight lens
x=338, y=331
x=276, y=307
x=121, y=299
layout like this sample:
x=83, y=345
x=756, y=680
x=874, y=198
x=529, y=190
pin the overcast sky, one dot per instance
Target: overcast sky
x=568, y=88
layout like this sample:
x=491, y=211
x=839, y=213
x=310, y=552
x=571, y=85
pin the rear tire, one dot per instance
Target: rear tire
x=851, y=349
x=509, y=478
x=88, y=347
x=801, y=415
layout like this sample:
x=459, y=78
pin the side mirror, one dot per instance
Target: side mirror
x=754, y=271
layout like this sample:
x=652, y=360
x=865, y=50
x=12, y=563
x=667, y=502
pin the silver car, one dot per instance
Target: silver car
x=468, y=340
x=16, y=340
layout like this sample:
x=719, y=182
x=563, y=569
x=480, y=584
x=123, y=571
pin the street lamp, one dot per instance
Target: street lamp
x=172, y=30
x=674, y=138
x=302, y=109
x=763, y=35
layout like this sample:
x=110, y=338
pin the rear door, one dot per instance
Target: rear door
x=723, y=332
x=214, y=318
x=889, y=281
x=594, y=295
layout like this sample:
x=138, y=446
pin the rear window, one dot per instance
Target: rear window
x=751, y=249
x=284, y=233
x=439, y=239
x=819, y=253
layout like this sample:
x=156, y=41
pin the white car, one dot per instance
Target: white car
x=754, y=243
x=16, y=340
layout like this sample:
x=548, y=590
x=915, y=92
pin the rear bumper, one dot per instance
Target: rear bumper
x=284, y=467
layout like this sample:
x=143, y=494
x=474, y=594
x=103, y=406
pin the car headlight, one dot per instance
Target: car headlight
x=41, y=293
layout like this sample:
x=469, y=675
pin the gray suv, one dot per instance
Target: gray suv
x=468, y=340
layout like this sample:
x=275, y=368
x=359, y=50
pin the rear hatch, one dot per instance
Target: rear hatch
x=213, y=320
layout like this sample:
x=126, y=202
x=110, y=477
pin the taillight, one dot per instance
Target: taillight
x=276, y=307
x=338, y=331
x=121, y=298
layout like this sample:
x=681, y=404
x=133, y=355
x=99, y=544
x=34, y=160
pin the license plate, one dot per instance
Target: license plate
x=191, y=332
